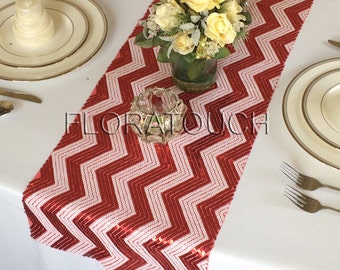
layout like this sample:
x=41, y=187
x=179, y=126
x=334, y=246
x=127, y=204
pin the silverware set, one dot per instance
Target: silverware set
x=305, y=182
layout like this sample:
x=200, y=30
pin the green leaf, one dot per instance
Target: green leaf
x=189, y=57
x=224, y=52
x=163, y=55
x=161, y=43
x=142, y=41
x=248, y=18
x=174, y=57
x=196, y=68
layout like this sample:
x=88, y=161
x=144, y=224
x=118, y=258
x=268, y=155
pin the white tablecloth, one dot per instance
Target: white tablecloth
x=263, y=230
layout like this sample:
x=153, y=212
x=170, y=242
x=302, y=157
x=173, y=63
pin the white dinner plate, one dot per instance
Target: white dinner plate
x=97, y=30
x=321, y=106
x=71, y=30
x=294, y=115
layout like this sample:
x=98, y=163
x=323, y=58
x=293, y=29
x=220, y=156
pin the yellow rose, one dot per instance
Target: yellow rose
x=214, y=3
x=166, y=15
x=183, y=45
x=219, y=29
x=232, y=9
x=197, y=5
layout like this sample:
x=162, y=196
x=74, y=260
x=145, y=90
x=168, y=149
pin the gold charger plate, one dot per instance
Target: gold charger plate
x=295, y=119
x=97, y=30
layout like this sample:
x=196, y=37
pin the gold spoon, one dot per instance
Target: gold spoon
x=5, y=107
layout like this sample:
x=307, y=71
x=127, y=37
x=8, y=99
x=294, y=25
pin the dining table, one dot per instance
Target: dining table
x=206, y=200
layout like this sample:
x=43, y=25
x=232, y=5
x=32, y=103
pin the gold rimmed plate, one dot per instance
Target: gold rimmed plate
x=96, y=34
x=294, y=115
x=321, y=106
x=71, y=30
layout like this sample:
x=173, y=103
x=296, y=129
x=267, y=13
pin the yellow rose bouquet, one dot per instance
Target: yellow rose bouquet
x=194, y=29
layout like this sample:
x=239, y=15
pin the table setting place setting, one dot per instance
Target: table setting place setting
x=169, y=134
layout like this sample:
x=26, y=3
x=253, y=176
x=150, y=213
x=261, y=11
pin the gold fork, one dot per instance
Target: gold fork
x=301, y=180
x=305, y=202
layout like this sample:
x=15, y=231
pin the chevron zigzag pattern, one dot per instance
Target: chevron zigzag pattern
x=133, y=205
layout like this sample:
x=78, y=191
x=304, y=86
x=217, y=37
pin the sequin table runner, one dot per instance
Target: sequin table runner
x=105, y=194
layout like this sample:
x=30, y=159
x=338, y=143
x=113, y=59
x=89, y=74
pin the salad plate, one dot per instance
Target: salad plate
x=321, y=106
x=294, y=112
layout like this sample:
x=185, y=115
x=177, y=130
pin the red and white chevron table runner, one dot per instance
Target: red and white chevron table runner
x=105, y=194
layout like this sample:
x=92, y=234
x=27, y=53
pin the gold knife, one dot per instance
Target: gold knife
x=334, y=43
x=20, y=94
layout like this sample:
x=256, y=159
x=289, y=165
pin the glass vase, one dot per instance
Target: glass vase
x=195, y=76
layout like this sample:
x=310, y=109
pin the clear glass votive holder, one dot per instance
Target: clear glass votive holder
x=157, y=115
